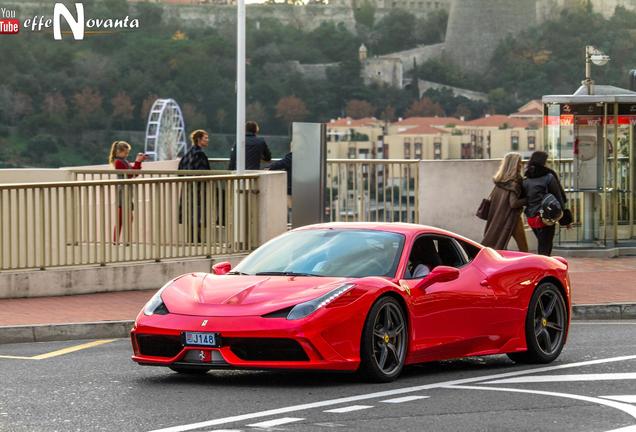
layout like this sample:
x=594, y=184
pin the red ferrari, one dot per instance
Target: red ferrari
x=368, y=297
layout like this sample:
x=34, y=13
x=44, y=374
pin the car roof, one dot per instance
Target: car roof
x=407, y=229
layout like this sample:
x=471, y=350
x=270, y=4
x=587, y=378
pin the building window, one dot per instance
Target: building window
x=514, y=140
x=417, y=150
x=407, y=148
x=532, y=140
x=352, y=153
x=385, y=151
x=437, y=149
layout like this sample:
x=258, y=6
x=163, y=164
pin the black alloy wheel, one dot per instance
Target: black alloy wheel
x=545, y=327
x=384, y=341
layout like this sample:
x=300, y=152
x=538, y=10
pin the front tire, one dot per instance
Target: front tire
x=384, y=341
x=545, y=327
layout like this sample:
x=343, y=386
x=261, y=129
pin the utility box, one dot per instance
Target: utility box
x=309, y=168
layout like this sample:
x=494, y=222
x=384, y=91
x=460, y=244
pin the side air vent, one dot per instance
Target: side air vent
x=266, y=349
x=159, y=346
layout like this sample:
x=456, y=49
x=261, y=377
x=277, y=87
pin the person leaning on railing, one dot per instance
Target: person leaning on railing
x=194, y=159
x=119, y=151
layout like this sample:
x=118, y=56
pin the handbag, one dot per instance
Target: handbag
x=484, y=209
x=567, y=218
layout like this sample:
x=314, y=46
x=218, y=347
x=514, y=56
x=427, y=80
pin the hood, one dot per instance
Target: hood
x=510, y=185
x=206, y=294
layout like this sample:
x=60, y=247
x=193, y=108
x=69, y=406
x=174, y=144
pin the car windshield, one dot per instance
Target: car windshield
x=327, y=252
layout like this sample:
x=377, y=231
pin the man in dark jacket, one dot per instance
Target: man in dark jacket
x=255, y=149
x=194, y=193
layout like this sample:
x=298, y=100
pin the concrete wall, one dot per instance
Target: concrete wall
x=272, y=205
x=450, y=193
x=87, y=280
x=423, y=86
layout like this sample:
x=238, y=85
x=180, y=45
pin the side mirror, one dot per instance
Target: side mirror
x=439, y=274
x=221, y=268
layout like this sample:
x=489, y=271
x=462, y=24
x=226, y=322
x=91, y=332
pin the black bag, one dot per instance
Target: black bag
x=567, y=218
x=484, y=209
x=550, y=210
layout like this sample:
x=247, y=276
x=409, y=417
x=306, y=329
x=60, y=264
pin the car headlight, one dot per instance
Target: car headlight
x=155, y=305
x=301, y=310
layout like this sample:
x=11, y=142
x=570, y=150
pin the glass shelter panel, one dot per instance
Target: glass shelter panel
x=591, y=147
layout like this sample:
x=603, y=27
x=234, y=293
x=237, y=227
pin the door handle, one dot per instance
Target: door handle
x=485, y=283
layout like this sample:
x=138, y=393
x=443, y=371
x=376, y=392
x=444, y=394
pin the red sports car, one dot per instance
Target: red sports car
x=368, y=297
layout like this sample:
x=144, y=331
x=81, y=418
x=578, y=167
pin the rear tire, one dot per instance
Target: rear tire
x=384, y=341
x=545, y=326
x=190, y=370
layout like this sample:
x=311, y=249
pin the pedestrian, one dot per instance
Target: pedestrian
x=255, y=149
x=285, y=164
x=539, y=182
x=194, y=193
x=506, y=204
x=119, y=151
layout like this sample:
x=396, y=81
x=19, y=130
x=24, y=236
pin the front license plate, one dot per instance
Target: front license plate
x=206, y=339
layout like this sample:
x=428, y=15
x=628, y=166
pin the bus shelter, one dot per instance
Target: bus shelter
x=590, y=140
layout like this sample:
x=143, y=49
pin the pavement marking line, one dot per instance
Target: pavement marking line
x=626, y=408
x=72, y=349
x=622, y=398
x=566, y=378
x=404, y=399
x=61, y=351
x=349, y=409
x=604, y=323
x=383, y=394
x=16, y=357
x=631, y=428
x=275, y=422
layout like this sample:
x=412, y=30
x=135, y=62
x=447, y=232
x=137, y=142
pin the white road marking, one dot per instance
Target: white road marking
x=349, y=409
x=629, y=409
x=404, y=399
x=618, y=322
x=383, y=394
x=275, y=422
x=622, y=398
x=631, y=428
x=566, y=378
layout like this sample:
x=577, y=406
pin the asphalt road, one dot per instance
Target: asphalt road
x=591, y=387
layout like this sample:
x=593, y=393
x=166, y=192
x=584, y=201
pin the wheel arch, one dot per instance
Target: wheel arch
x=554, y=280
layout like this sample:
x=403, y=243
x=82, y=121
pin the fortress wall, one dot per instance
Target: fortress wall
x=475, y=28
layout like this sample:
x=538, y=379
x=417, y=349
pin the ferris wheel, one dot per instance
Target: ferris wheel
x=165, y=131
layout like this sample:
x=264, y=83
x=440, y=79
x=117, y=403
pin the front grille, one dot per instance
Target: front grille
x=159, y=346
x=264, y=349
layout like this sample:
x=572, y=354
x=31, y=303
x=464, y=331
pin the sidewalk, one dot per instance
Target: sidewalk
x=603, y=288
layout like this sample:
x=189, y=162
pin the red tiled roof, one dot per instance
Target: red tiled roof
x=349, y=122
x=428, y=121
x=422, y=130
x=533, y=112
x=497, y=120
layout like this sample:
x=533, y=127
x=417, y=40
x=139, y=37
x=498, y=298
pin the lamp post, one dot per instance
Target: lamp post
x=240, y=86
x=592, y=55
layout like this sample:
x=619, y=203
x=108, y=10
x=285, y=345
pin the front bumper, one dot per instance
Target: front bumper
x=327, y=341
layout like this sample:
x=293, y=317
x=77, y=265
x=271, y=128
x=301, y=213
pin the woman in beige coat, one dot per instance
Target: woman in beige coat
x=506, y=202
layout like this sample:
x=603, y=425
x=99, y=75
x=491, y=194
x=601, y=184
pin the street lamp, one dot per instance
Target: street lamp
x=592, y=55
x=240, y=86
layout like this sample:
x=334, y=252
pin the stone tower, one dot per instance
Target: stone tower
x=475, y=28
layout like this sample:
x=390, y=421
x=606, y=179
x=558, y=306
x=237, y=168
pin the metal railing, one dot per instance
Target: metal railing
x=373, y=190
x=113, y=174
x=110, y=221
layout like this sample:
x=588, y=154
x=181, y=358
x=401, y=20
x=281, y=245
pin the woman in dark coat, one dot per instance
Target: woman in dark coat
x=506, y=202
x=541, y=180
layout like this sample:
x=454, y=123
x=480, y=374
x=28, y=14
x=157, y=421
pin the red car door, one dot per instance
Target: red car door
x=451, y=319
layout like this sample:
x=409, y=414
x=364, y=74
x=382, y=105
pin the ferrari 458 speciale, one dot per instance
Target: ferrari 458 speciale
x=366, y=297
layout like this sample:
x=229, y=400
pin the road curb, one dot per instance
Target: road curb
x=59, y=332
x=608, y=311
x=121, y=329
